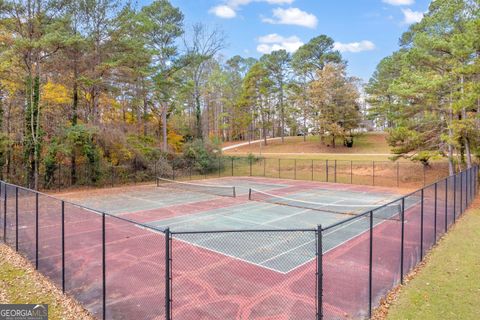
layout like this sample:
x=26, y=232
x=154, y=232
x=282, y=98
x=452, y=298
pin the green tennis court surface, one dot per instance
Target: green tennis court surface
x=200, y=219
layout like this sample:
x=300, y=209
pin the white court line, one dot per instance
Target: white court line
x=340, y=243
x=290, y=250
x=292, y=215
x=285, y=217
x=357, y=220
x=201, y=215
x=328, y=233
x=249, y=221
x=177, y=202
x=229, y=255
x=283, y=253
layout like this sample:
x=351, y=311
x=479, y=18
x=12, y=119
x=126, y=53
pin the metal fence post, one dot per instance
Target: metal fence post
x=16, y=218
x=168, y=299
x=250, y=161
x=467, y=190
x=461, y=193
x=104, y=269
x=279, y=169
x=173, y=170
x=468, y=185
x=351, y=172
x=472, y=184
x=398, y=174
x=232, y=169
x=59, y=176
x=402, y=241
x=219, y=165
x=264, y=167
x=135, y=173
x=335, y=171
x=319, y=273
x=454, y=198
x=421, y=224
x=36, y=230
x=435, y=214
x=475, y=180
x=424, y=177
x=446, y=204
x=467, y=198
x=294, y=169
x=326, y=170
x=373, y=173
x=312, y=169
x=370, y=268
x=63, y=246
x=113, y=177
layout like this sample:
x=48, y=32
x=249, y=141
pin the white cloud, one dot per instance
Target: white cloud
x=274, y=42
x=364, y=45
x=411, y=16
x=224, y=12
x=279, y=1
x=399, y=2
x=228, y=10
x=238, y=3
x=293, y=16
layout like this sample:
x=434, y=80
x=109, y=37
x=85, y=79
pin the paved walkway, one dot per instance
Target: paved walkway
x=247, y=143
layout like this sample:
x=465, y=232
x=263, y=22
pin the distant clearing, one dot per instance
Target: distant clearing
x=368, y=143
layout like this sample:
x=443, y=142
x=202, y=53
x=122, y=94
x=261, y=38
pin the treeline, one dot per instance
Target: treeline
x=428, y=93
x=92, y=82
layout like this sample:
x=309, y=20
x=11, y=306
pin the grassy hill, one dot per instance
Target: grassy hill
x=368, y=143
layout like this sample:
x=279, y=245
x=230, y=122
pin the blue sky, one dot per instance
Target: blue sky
x=365, y=30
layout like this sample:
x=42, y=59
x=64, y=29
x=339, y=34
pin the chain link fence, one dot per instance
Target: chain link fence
x=122, y=269
x=377, y=173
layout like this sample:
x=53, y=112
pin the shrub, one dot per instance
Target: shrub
x=204, y=156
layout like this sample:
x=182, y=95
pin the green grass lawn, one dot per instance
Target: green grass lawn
x=448, y=286
x=368, y=143
x=20, y=283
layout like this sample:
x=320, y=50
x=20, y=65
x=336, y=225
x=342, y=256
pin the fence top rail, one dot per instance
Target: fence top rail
x=244, y=231
x=261, y=157
x=85, y=207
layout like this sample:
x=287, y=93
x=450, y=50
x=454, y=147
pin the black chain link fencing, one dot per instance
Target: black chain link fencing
x=122, y=269
x=376, y=173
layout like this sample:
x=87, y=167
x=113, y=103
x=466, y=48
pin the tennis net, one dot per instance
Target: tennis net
x=213, y=189
x=381, y=211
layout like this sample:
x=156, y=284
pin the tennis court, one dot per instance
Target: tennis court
x=231, y=248
x=194, y=211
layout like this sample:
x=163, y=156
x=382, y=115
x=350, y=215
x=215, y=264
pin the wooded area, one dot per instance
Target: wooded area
x=97, y=81
x=101, y=82
x=428, y=92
